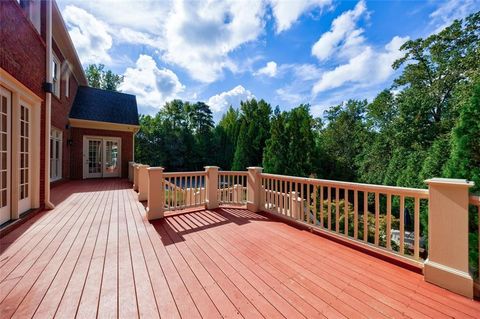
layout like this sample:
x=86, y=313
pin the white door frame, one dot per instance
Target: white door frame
x=19, y=94
x=5, y=212
x=103, y=172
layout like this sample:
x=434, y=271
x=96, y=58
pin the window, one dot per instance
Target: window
x=67, y=81
x=35, y=14
x=56, y=76
x=56, y=137
x=24, y=152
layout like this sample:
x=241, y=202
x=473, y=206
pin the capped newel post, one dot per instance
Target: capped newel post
x=156, y=193
x=130, y=171
x=135, y=177
x=142, y=182
x=211, y=184
x=254, y=189
x=447, y=263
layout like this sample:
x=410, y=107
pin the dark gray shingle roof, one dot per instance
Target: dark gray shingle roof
x=104, y=106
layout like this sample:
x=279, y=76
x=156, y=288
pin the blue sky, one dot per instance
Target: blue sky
x=320, y=52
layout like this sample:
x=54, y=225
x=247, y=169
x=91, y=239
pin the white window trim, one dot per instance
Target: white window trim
x=67, y=80
x=56, y=84
x=60, y=153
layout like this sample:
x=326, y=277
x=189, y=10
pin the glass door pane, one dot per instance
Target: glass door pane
x=94, y=158
x=24, y=152
x=111, y=165
x=5, y=136
x=24, y=203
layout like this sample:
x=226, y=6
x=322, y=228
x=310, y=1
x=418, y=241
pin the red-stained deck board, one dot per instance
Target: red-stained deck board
x=96, y=255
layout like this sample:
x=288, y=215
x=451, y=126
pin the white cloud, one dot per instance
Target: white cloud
x=136, y=37
x=292, y=97
x=287, y=12
x=343, y=33
x=139, y=15
x=366, y=69
x=270, y=69
x=200, y=35
x=297, y=89
x=90, y=35
x=153, y=86
x=221, y=101
x=450, y=10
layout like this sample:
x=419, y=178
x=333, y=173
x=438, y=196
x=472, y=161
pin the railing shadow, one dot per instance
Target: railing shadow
x=175, y=228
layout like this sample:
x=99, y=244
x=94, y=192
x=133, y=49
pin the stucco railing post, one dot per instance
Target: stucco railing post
x=296, y=203
x=130, y=171
x=142, y=182
x=156, y=193
x=254, y=189
x=447, y=263
x=135, y=177
x=211, y=184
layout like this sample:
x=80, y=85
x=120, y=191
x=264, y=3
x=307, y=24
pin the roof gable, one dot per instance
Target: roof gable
x=104, y=106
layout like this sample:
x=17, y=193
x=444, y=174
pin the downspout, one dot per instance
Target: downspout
x=48, y=104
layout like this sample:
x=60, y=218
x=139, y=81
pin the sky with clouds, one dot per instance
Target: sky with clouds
x=288, y=52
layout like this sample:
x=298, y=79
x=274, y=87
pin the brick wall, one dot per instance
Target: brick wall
x=22, y=54
x=77, y=160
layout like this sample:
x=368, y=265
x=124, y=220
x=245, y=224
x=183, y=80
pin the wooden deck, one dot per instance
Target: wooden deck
x=96, y=255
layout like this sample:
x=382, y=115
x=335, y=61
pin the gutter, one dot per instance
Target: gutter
x=48, y=104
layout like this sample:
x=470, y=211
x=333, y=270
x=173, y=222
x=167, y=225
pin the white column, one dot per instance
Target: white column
x=142, y=182
x=254, y=189
x=211, y=183
x=156, y=193
x=130, y=171
x=135, y=177
x=447, y=263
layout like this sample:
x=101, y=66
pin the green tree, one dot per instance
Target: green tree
x=275, y=155
x=200, y=121
x=254, y=131
x=344, y=137
x=225, y=138
x=100, y=78
x=464, y=160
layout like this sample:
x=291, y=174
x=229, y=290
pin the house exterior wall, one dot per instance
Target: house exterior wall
x=23, y=56
x=61, y=106
x=77, y=160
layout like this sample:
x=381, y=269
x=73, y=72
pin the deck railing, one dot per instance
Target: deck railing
x=385, y=220
x=232, y=187
x=356, y=211
x=184, y=190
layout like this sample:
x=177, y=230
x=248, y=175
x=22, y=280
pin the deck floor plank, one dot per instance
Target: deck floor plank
x=73, y=291
x=53, y=253
x=97, y=255
x=49, y=288
x=164, y=299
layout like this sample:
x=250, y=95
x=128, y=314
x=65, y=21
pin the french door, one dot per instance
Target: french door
x=5, y=152
x=24, y=203
x=102, y=157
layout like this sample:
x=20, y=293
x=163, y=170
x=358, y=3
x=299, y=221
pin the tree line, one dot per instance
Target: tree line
x=425, y=125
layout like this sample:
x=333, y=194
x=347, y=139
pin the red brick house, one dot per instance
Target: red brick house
x=52, y=125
